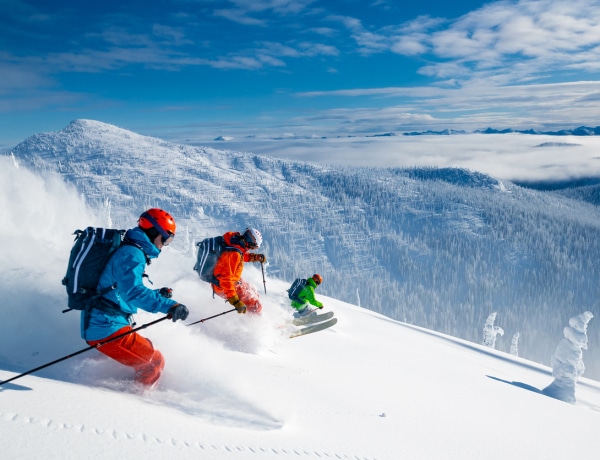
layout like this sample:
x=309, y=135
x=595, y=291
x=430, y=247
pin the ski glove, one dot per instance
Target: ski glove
x=238, y=304
x=166, y=292
x=257, y=258
x=178, y=311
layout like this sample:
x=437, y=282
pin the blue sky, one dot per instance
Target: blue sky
x=194, y=70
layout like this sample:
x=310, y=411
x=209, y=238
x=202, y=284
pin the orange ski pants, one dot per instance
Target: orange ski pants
x=135, y=351
x=247, y=294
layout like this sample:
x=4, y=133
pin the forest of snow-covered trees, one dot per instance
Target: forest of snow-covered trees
x=439, y=248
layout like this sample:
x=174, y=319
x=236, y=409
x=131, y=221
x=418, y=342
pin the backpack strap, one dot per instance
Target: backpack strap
x=110, y=308
x=130, y=242
x=233, y=248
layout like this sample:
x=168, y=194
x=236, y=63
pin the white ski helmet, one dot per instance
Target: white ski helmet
x=253, y=238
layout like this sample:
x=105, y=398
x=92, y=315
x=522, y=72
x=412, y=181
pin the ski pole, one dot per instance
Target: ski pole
x=83, y=350
x=263, y=272
x=211, y=317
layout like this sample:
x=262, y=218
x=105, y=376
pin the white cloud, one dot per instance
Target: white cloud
x=270, y=54
x=409, y=45
x=348, y=22
x=318, y=49
x=245, y=11
x=547, y=35
x=513, y=157
x=238, y=16
x=474, y=105
x=325, y=31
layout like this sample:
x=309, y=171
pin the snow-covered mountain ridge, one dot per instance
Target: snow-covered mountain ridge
x=439, y=248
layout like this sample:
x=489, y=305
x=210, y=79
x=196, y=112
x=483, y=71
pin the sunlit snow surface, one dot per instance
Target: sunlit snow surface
x=235, y=387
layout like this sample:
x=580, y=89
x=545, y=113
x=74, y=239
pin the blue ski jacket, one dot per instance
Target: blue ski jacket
x=125, y=269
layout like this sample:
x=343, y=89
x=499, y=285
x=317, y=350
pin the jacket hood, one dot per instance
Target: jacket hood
x=235, y=239
x=139, y=238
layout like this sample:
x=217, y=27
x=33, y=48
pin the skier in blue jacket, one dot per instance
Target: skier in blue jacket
x=112, y=314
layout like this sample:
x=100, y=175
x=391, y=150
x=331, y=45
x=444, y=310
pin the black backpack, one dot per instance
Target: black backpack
x=209, y=251
x=91, y=251
x=295, y=289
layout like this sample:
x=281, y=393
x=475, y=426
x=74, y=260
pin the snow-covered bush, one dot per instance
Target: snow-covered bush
x=567, y=360
x=514, y=345
x=490, y=331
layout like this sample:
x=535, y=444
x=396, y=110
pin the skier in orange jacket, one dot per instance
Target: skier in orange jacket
x=228, y=271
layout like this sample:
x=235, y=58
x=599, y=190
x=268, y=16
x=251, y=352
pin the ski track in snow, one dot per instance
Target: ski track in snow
x=192, y=445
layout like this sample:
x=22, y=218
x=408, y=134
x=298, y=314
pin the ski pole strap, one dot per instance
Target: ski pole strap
x=211, y=317
x=83, y=350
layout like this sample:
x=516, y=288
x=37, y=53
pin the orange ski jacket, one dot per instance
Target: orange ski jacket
x=229, y=267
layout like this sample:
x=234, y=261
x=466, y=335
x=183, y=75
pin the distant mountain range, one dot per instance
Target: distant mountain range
x=580, y=131
x=436, y=247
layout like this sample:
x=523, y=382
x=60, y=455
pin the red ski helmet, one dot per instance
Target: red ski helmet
x=317, y=278
x=161, y=221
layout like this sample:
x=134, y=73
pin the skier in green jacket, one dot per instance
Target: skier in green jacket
x=307, y=297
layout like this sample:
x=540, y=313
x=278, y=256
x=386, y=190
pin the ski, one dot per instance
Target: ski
x=312, y=319
x=314, y=328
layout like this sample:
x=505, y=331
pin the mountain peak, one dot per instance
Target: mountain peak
x=98, y=129
x=83, y=123
x=83, y=136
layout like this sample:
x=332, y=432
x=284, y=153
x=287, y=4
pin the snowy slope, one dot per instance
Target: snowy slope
x=235, y=387
x=370, y=388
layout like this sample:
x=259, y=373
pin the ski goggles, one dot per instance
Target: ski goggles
x=167, y=237
x=250, y=243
